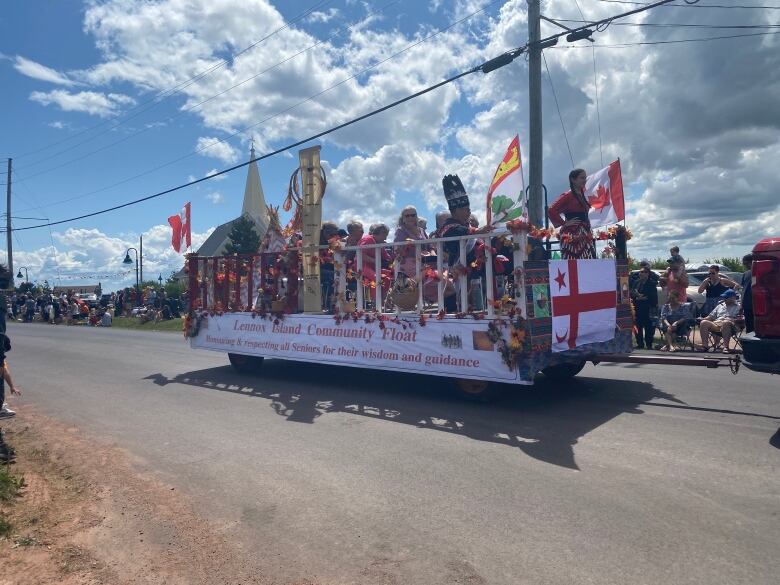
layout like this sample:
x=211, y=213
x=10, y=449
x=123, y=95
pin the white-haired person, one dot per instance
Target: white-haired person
x=408, y=230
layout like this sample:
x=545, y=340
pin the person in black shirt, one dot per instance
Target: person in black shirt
x=645, y=298
x=713, y=286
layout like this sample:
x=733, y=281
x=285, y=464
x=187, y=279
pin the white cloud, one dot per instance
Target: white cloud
x=91, y=251
x=674, y=111
x=90, y=102
x=214, y=148
x=215, y=197
x=217, y=178
x=40, y=72
x=320, y=16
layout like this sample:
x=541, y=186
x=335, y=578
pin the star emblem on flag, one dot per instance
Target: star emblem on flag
x=560, y=279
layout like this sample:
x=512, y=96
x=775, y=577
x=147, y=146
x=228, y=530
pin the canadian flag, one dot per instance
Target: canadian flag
x=604, y=190
x=583, y=296
x=181, y=229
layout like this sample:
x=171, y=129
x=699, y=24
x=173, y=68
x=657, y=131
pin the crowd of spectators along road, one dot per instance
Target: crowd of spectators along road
x=721, y=314
x=67, y=308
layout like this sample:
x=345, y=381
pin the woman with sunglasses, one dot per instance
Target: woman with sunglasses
x=408, y=229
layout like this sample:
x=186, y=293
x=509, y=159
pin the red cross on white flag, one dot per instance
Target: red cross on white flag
x=182, y=233
x=583, y=295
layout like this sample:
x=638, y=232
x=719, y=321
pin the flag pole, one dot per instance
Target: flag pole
x=620, y=168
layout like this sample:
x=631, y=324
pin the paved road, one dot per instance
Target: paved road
x=640, y=475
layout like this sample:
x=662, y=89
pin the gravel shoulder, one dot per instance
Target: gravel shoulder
x=86, y=516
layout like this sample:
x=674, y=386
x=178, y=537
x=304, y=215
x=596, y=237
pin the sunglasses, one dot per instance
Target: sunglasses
x=410, y=215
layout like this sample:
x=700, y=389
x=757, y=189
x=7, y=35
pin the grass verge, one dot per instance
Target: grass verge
x=10, y=484
x=174, y=325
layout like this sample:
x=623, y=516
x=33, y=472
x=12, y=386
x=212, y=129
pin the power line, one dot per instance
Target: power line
x=183, y=110
x=671, y=42
x=284, y=111
x=486, y=67
x=596, y=88
x=163, y=95
x=558, y=107
x=267, y=155
x=682, y=25
x=743, y=6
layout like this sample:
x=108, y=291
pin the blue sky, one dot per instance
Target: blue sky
x=80, y=115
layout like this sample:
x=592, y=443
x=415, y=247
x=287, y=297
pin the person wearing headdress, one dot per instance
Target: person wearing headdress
x=570, y=213
x=458, y=225
x=458, y=222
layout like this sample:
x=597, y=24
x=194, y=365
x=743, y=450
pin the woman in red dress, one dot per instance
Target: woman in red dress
x=570, y=213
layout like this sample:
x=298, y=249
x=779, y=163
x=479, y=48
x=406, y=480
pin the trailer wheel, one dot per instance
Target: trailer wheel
x=245, y=364
x=563, y=371
x=477, y=390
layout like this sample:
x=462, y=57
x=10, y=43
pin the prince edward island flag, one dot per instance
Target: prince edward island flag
x=583, y=298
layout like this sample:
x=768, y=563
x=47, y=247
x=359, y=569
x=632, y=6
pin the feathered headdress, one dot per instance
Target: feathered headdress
x=455, y=192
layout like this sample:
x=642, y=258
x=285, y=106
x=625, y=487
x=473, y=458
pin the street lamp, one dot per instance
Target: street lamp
x=128, y=260
x=26, y=276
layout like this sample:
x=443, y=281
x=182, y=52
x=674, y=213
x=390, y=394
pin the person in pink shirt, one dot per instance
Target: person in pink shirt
x=676, y=278
x=408, y=229
x=377, y=234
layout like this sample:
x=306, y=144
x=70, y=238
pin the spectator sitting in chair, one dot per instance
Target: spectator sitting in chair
x=674, y=320
x=721, y=320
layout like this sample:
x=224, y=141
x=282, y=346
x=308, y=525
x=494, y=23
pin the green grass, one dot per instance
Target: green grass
x=133, y=323
x=6, y=528
x=9, y=485
x=174, y=325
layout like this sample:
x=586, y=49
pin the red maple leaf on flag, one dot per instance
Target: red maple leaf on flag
x=601, y=199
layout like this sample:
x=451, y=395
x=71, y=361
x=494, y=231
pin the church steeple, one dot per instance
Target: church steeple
x=254, y=200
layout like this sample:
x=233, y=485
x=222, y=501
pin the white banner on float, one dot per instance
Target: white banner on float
x=458, y=348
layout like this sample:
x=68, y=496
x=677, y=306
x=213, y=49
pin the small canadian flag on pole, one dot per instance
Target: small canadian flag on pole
x=604, y=190
x=181, y=229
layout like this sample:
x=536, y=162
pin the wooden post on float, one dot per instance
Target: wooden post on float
x=311, y=184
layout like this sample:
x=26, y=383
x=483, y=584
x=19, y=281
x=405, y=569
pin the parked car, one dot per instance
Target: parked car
x=89, y=298
x=761, y=347
x=704, y=267
x=105, y=300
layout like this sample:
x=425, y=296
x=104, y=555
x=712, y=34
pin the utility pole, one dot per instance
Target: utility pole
x=535, y=178
x=141, y=258
x=8, y=234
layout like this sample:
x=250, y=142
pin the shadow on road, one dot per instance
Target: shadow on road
x=775, y=440
x=544, y=421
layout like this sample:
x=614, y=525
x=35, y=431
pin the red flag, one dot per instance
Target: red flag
x=604, y=191
x=181, y=229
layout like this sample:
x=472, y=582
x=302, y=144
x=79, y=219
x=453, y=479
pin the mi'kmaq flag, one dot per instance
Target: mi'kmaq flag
x=506, y=195
x=583, y=301
x=604, y=190
x=181, y=229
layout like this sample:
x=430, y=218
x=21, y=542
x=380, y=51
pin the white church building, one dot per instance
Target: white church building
x=253, y=207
